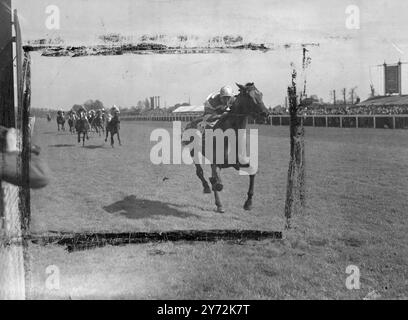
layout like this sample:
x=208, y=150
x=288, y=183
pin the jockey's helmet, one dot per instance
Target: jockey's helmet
x=115, y=108
x=226, y=91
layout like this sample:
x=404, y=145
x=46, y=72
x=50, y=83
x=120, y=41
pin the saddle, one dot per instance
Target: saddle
x=209, y=121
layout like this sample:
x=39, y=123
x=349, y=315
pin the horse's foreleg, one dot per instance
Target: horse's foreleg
x=120, y=143
x=248, y=202
x=79, y=137
x=107, y=134
x=217, y=187
x=112, y=141
x=200, y=175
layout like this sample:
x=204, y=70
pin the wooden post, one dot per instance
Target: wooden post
x=295, y=193
x=14, y=201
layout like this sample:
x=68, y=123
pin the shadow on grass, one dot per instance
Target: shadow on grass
x=134, y=208
x=62, y=145
x=94, y=147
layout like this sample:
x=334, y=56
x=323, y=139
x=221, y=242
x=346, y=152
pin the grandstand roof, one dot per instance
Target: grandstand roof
x=386, y=101
x=185, y=109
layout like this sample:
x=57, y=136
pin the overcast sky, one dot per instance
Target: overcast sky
x=383, y=34
x=277, y=20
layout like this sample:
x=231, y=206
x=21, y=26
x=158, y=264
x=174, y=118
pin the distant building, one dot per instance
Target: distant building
x=189, y=110
x=395, y=100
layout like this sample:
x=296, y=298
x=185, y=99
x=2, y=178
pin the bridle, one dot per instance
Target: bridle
x=236, y=114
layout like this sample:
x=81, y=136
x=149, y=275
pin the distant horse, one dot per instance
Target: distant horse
x=91, y=117
x=247, y=102
x=113, y=126
x=82, y=127
x=98, y=123
x=49, y=117
x=61, y=121
x=72, y=122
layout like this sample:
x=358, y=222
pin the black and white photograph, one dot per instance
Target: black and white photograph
x=219, y=150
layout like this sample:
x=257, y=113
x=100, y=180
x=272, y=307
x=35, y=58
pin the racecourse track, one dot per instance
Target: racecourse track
x=357, y=191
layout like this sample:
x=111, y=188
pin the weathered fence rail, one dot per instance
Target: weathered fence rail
x=330, y=121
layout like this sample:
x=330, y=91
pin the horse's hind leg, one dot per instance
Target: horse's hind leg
x=248, y=202
x=200, y=175
x=217, y=187
x=107, y=134
x=216, y=178
x=79, y=137
x=112, y=141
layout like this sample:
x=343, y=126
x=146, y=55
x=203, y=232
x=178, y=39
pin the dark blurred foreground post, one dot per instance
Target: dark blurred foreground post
x=295, y=193
x=12, y=243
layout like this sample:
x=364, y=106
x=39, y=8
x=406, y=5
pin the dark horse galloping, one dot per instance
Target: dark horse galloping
x=113, y=126
x=72, y=119
x=98, y=123
x=82, y=127
x=247, y=102
x=61, y=122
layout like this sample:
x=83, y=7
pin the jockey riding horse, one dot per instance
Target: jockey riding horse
x=72, y=118
x=113, y=125
x=98, y=122
x=247, y=103
x=61, y=120
x=82, y=127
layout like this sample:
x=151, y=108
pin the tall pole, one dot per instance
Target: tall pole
x=385, y=79
x=295, y=191
x=399, y=78
x=344, y=96
x=334, y=96
x=12, y=274
x=7, y=113
x=352, y=96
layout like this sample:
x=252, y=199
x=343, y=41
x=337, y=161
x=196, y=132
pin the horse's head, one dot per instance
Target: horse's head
x=249, y=101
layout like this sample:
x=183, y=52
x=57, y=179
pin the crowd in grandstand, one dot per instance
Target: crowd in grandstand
x=349, y=110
